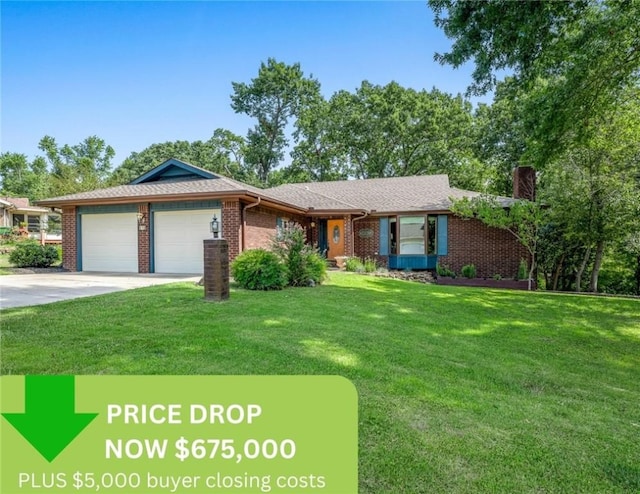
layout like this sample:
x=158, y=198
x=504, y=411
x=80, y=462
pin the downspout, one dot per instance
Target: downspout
x=353, y=231
x=244, y=222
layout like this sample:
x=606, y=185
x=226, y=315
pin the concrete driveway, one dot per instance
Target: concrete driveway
x=34, y=289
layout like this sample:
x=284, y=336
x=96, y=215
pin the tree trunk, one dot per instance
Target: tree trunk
x=581, y=269
x=556, y=275
x=593, y=286
x=531, y=272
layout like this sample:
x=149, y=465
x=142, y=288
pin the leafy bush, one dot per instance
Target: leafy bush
x=304, y=264
x=259, y=269
x=354, y=264
x=617, y=274
x=523, y=270
x=443, y=270
x=33, y=255
x=497, y=276
x=469, y=271
x=370, y=265
x=316, y=267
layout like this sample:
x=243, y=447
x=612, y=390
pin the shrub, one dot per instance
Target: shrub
x=33, y=255
x=443, y=270
x=316, y=268
x=468, y=271
x=523, y=270
x=497, y=276
x=354, y=264
x=304, y=264
x=370, y=265
x=259, y=269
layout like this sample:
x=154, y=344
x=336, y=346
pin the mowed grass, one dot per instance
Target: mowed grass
x=460, y=389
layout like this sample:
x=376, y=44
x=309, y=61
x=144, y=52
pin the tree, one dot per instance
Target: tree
x=317, y=156
x=384, y=131
x=523, y=219
x=580, y=56
x=223, y=153
x=85, y=166
x=594, y=189
x=501, y=136
x=21, y=178
x=278, y=93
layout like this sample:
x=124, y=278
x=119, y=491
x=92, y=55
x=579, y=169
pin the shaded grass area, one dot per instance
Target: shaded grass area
x=460, y=389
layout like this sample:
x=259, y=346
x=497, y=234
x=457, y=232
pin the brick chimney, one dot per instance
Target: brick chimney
x=524, y=183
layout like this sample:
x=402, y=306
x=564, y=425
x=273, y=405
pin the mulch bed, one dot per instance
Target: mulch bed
x=54, y=269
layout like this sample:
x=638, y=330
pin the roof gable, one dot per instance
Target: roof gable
x=174, y=170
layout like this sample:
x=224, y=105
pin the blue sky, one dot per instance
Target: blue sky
x=138, y=73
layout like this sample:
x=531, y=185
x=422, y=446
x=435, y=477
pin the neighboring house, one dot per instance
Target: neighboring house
x=37, y=222
x=157, y=222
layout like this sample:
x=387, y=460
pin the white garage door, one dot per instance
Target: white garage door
x=110, y=242
x=178, y=237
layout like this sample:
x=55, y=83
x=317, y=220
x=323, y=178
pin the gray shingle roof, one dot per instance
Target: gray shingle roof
x=215, y=186
x=397, y=194
x=417, y=193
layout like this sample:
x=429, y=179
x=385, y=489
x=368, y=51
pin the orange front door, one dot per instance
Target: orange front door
x=335, y=238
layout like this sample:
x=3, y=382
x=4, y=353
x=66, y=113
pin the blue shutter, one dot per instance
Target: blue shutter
x=278, y=222
x=384, y=237
x=442, y=234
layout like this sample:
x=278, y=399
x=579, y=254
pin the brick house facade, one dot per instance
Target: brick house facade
x=157, y=223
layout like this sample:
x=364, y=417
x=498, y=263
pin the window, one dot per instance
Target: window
x=33, y=223
x=411, y=235
x=431, y=235
x=17, y=219
x=282, y=223
x=54, y=225
x=393, y=236
x=407, y=235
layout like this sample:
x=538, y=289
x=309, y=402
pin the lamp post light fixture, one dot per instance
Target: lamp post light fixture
x=142, y=221
x=215, y=227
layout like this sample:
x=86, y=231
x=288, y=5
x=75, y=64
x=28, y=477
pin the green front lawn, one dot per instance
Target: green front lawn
x=461, y=389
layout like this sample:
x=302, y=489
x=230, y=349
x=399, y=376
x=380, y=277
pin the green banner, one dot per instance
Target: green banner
x=178, y=434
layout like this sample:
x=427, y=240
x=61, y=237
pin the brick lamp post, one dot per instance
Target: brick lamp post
x=216, y=265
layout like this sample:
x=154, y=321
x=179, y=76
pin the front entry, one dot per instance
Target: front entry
x=335, y=238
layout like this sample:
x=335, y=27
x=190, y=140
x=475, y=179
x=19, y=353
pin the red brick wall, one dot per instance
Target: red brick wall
x=313, y=232
x=143, y=239
x=261, y=227
x=491, y=250
x=69, y=243
x=524, y=183
x=367, y=246
x=232, y=226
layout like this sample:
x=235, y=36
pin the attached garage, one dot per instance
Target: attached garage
x=110, y=242
x=178, y=237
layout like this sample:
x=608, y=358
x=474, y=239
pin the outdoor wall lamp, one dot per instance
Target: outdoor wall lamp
x=142, y=221
x=215, y=227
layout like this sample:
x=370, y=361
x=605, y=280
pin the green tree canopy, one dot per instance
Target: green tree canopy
x=277, y=94
x=78, y=168
x=223, y=153
x=21, y=178
x=385, y=131
x=576, y=59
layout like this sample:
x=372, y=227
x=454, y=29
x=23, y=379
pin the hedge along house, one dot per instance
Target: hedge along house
x=156, y=223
